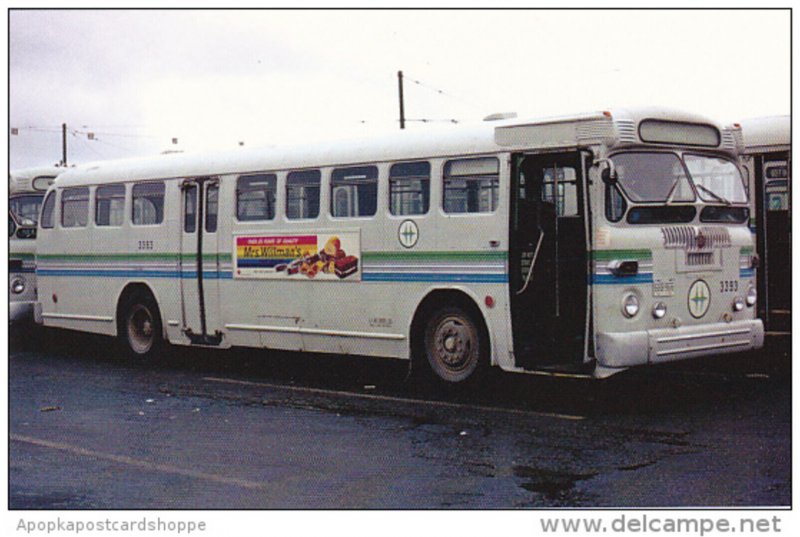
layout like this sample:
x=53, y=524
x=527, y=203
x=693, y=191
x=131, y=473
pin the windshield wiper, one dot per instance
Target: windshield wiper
x=712, y=193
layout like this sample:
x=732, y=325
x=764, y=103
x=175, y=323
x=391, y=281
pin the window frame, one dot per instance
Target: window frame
x=163, y=203
x=302, y=184
x=50, y=195
x=265, y=176
x=81, y=199
x=494, y=190
x=368, y=180
x=425, y=186
x=97, y=199
x=207, y=212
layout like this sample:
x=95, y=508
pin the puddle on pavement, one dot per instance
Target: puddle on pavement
x=549, y=482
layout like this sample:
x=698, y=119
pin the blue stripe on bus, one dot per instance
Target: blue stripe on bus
x=610, y=279
x=746, y=273
x=133, y=273
x=431, y=277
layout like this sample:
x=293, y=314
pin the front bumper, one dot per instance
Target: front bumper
x=20, y=311
x=626, y=349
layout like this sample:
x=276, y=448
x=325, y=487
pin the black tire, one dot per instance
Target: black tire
x=454, y=345
x=140, y=328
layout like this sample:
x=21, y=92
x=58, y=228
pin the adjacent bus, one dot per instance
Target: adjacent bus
x=26, y=190
x=767, y=160
x=583, y=244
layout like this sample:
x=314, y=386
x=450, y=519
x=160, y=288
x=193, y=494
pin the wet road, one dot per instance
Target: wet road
x=246, y=429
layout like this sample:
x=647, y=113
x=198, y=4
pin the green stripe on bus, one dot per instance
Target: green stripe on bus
x=23, y=256
x=745, y=250
x=126, y=257
x=608, y=255
x=435, y=256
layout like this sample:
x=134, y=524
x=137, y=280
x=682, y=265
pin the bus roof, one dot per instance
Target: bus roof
x=486, y=137
x=21, y=181
x=761, y=134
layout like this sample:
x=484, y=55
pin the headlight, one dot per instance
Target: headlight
x=630, y=305
x=751, y=296
x=738, y=304
x=18, y=285
x=659, y=310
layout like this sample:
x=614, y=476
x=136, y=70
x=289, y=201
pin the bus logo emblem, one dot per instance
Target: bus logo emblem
x=408, y=234
x=699, y=299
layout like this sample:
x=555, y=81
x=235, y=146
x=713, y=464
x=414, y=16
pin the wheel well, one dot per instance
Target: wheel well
x=130, y=290
x=436, y=299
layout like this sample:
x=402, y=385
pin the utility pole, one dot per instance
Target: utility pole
x=402, y=110
x=64, y=144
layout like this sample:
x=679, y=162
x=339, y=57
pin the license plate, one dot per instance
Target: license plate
x=663, y=288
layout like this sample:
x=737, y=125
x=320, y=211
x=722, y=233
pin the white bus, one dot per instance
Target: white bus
x=26, y=190
x=767, y=160
x=583, y=244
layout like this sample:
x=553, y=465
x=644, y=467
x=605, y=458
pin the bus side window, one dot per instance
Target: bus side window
x=148, y=204
x=409, y=188
x=255, y=197
x=212, y=207
x=354, y=191
x=471, y=185
x=48, y=207
x=109, y=205
x=302, y=194
x=75, y=207
x=190, y=208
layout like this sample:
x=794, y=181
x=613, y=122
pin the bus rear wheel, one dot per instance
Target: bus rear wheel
x=141, y=326
x=453, y=345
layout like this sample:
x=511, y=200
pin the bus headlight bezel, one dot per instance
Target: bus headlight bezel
x=659, y=310
x=630, y=305
x=738, y=303
x=752, y=296
x=18, y=285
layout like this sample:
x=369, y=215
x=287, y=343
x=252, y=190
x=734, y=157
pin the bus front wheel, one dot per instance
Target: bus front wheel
x=454, y=344
x=141, y=326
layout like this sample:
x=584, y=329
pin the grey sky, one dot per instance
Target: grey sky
x=214, y=78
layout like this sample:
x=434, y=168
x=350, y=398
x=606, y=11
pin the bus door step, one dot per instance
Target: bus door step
x=205, y=339
x=572, y=368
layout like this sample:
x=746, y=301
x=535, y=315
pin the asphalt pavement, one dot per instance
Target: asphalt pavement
x=266, y=430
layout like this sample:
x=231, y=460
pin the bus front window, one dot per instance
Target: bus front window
x=717, y=180
x=652, y=177
x=26, y=208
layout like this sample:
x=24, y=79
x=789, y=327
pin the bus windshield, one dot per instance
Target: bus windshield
x=26, y=208
x=716, y=179
x=665, y=177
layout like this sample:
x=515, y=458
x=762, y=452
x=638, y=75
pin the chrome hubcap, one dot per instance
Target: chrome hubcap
x=453, y=341
x=140, y=329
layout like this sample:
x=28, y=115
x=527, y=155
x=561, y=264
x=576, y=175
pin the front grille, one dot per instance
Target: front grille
x=700, y=258
x=695, y=238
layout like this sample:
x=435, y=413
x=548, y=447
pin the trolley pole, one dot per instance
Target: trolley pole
x=64, y=144
x=402, y=110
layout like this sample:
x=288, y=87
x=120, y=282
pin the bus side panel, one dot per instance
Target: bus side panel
x=78, y=266
x=372, y=316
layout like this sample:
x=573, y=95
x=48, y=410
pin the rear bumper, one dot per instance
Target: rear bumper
x=20, y=311
x=626, y=349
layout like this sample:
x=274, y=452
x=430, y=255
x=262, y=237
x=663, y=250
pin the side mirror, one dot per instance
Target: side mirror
x=609, y=175
x=12, y=226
